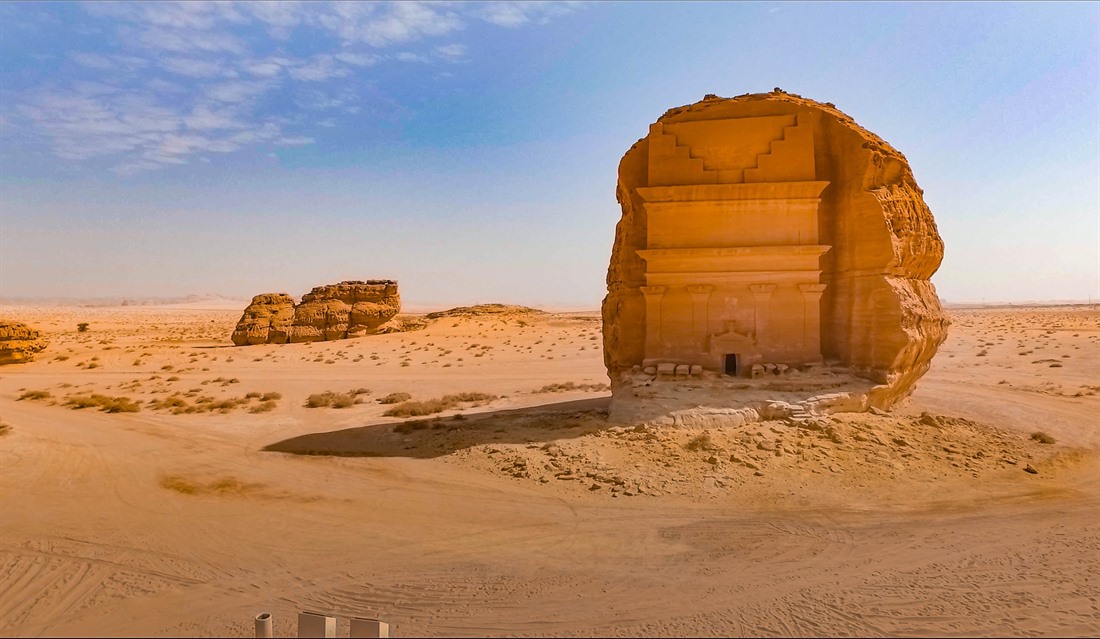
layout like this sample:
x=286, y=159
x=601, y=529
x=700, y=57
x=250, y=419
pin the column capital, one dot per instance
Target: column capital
x=703, y=290
x=812, y=289
x=653, y=291
x=762, y=290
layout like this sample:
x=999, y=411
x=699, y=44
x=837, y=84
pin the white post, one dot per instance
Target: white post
x=263, y=625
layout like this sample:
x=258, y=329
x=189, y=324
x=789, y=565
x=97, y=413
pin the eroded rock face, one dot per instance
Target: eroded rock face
x=771, y=230
x=267, y=320
x=19, y=343
x=347, y=309
x=335, y=311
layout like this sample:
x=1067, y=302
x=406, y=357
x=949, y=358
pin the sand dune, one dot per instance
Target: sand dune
x=522, y=512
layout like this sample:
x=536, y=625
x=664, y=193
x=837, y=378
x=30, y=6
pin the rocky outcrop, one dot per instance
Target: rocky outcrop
x=819, y=220
x=347, y=309
x=267, y=320
x=19, y=343
x=336, y=311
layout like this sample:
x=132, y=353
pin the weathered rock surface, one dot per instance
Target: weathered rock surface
x=772, y=229
x=336, y=311
x=267, y=320
x=19, y=343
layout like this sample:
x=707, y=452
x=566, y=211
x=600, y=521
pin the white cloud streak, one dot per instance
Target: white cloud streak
x=192, y=78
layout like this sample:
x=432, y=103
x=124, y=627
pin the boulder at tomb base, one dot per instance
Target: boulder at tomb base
x=265, y=321
x=19, y=343
x=770, y=228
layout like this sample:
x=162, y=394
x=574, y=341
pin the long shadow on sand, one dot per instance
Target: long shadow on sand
x=436, y=437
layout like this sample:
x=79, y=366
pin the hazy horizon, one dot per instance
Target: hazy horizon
x=469, y=151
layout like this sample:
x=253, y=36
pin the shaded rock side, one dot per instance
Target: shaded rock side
x=347, y=309
x=879, y=312
x=19, y=343
x=267, y=320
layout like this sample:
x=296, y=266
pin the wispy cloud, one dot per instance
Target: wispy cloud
x=188, y=79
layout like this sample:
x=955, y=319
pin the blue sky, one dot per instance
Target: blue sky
x=469, y=150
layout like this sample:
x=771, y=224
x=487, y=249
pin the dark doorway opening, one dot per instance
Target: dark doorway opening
x=732, y=367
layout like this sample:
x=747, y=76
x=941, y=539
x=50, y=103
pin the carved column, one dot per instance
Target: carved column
x=761, y=297
x=811, y=320
x=700, y=296
x=653, y=295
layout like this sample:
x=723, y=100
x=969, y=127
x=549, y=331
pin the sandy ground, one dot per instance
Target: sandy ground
x=528, y=514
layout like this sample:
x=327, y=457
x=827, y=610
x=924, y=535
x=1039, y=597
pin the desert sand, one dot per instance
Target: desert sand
x=522, y=511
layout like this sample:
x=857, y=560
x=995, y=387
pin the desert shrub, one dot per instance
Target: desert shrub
x=569, y=386
x=1042, y=437
x=82, y=327
x=253, y=395
x=395, y=398
x=417, y=409
x=61, y=358
x=270, y=397
x=173, y=379
x=468, y=397
x=319, y=400
x=359, y=391
x=263, y=407
x=699, y=442
x=104, y=403
x=172, y=402
x=35, y=395
x=343, y=400
x=432, y=406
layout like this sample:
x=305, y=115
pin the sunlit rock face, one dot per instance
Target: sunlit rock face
x=335, y=311
x=769, y=233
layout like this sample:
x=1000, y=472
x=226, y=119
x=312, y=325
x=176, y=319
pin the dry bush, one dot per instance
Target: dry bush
x=395, y=398
x=35, y=395
x=570, y=386
x=263, y=407
x=700, y=442
x=432, y=406
x=270, y=397
x=104, y=403
x=1042, y=437
x=331, y=399
x=417, y=409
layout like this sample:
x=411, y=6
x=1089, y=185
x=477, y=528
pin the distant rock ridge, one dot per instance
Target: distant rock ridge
x=19, y=343
x=335, y=311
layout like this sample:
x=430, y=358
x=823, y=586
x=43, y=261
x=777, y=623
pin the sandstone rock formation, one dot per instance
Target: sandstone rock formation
x=19, y=343
x=335, y=311
x=267, y=320
x=770, y=232
x=347, y=309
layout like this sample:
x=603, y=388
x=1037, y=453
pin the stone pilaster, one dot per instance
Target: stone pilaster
x=653, y=296
x=761, y=297
x=811, y=318
x=700, y=297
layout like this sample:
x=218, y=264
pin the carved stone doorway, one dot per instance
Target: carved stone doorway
x=732, y=361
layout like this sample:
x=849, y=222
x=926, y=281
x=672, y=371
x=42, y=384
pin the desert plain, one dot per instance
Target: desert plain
x=157, y=480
